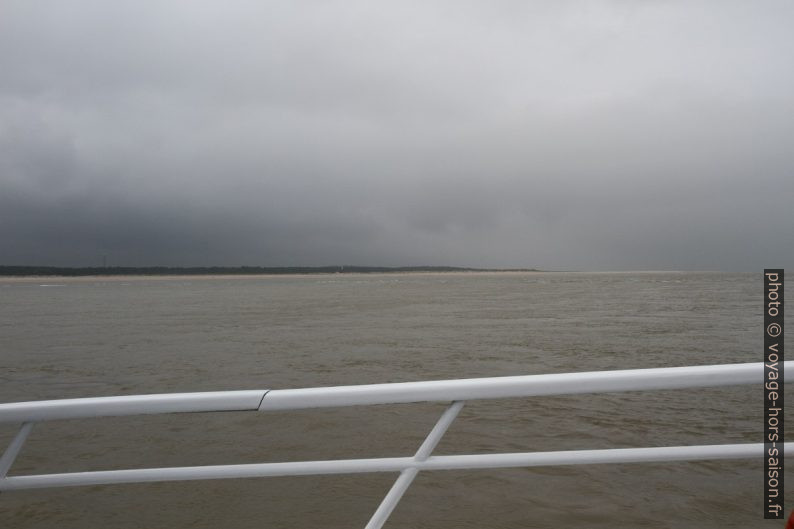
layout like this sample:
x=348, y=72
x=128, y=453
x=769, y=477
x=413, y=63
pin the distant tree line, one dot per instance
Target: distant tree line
x=227, y=270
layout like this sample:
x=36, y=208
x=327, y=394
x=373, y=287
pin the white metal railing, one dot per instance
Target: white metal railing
x=454, y=391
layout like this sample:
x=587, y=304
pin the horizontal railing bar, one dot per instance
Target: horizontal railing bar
x=518, y=386
x=48, y=410
x=296, y=468
x=401, y=392
x=391, y=464
x=594, y=457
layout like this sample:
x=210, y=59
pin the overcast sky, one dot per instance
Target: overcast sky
x=593, y=135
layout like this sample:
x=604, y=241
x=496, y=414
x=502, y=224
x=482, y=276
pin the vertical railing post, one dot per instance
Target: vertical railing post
x=407, y=476
x=13, y=449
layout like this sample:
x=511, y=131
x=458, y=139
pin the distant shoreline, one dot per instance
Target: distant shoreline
x=242, y=271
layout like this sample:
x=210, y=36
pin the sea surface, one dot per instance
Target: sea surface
x=82, y=337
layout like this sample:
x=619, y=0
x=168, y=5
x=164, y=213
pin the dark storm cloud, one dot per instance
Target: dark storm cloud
x=573, y=135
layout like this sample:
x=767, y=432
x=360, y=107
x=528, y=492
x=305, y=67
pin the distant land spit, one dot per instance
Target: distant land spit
x=17, y=271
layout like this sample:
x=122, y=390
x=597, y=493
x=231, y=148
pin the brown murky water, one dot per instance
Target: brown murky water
x=91, y=337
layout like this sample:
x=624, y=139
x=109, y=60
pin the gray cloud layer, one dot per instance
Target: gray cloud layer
x=566, y=135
